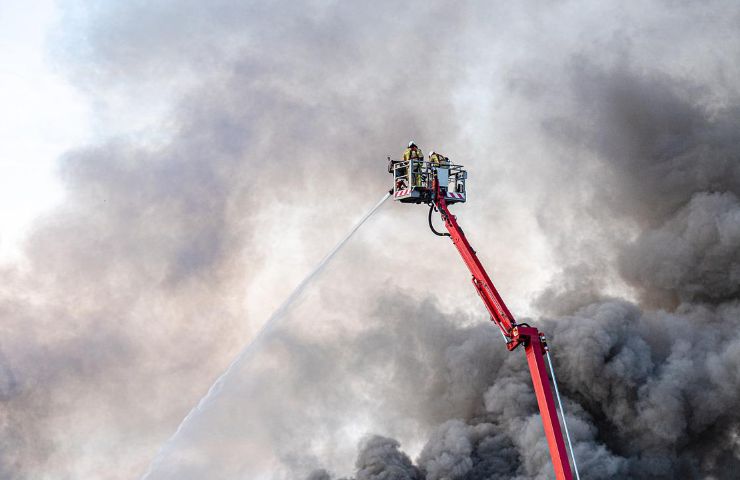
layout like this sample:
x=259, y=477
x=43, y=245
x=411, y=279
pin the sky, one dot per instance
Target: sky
x=42, y=117
x=171, y=171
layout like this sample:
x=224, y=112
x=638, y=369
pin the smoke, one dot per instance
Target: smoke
x=237, y=142
x=647, y=386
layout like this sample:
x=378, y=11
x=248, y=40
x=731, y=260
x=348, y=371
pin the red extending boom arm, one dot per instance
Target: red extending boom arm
x=534, y=342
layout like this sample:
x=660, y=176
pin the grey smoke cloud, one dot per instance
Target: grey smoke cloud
x=602, y=152
x=693, y=256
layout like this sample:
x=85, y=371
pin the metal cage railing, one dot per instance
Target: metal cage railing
x=416, y=174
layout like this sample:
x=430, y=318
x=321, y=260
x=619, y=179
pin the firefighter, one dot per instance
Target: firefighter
x=438, y=160
x=415, y=157
x=434, y=158
x=439, y=165
x=412, y=152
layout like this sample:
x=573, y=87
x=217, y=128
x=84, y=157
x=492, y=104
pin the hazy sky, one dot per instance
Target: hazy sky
x=42, y=116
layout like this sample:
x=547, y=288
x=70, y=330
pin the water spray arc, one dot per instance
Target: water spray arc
x=438, y=183
x=248, y=351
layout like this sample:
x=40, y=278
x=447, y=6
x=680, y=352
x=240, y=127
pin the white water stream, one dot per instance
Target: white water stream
x=254, y=345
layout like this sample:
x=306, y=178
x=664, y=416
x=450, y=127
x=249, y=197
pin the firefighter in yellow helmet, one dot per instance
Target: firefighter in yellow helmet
x=415, y=157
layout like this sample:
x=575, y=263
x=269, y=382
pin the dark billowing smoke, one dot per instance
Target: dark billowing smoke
x=651, y=392
x=238, y=141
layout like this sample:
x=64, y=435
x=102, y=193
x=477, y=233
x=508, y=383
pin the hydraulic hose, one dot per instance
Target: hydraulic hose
x=562, y=415
x=439, y=234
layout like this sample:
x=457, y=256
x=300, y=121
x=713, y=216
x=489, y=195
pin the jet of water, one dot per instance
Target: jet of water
x=253, y=346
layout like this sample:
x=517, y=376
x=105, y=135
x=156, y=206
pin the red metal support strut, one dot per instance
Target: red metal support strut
x=534, y=342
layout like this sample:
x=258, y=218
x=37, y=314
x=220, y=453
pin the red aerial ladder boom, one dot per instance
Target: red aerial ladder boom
x=439, y=186
x=533, y=341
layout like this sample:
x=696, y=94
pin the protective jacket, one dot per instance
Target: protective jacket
x=439, y=160
x=413, y=153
